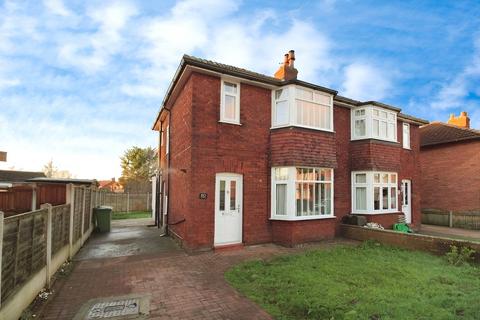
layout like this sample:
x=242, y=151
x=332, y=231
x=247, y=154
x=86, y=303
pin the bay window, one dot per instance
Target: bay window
x=374, y=192
x=299, y=106
x=371, y=122
x=302, y=193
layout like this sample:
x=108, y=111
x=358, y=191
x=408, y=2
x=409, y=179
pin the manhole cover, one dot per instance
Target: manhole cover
x=115, y=308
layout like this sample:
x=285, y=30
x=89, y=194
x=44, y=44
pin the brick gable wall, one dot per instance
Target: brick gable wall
x=451, y=176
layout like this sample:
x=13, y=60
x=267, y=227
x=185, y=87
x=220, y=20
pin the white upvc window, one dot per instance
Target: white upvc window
x=230, y=102
x=406, y=136
x=370, y=122
x=302, y=193
x=374, y=192
x=302, y=107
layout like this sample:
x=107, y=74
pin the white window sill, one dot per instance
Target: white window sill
x=372, y=138
x=230, y=122
x=410, y=149
x=300, y=126
x=295, y=218
x=370, y=213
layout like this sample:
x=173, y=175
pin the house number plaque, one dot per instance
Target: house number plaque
x=203, y=195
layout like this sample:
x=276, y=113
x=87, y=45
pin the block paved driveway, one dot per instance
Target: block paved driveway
x=180, y=285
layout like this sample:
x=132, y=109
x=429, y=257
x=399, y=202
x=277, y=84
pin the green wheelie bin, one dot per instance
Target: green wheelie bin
x=103, y=218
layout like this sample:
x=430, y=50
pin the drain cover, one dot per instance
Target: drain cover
x=116, y=308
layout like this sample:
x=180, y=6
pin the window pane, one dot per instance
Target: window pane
x=391, y=117
x=281, y=200
x=385, y=198
x=310, y=198
x=361, y=178
x=325, y=117
x=383, y=129
x=309, y=174
x=299, y=174
x=326, y=175
x=281, y=113
x=281, y=94
x=222, y=195
x=230, y=88
x=305, y=199
x=281, y=173
x=376, y=128
x=361, y=198
x=360, y=112
x=375, y=112
x=304, y=94
x=385, y=177
x=393, y=178
x=376, y=178
x=298, y=198
x=383, y=114
x=391, y=131
x=326, y=198
x=360, y=128
x=393, y=198
x=233, y=195
x=323, y=98
x=229, y=111
x=376, y=198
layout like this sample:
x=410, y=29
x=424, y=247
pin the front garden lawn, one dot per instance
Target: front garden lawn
x=365, y=282
x=131, y=215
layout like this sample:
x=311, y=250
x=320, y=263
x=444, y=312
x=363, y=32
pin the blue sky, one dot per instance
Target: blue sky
x=81, y=81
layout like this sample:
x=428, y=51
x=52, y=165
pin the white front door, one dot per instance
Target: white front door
x=228, y=209
x=406, y=200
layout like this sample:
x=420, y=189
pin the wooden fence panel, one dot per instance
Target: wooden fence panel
x=88, y=207
x=24, y=249
x=465, y=220
x=60, y=227
x=123, y=202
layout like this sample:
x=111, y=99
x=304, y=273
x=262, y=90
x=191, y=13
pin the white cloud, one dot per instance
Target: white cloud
x=365, y=82
x=91, y=52
x=57, y=7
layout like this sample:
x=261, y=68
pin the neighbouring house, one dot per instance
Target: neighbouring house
x=247, y=158
x=450, y=163
x=23, y=191
x=110, y=185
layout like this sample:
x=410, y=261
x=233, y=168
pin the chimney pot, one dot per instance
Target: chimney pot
x=287, y=70
x=462, y=121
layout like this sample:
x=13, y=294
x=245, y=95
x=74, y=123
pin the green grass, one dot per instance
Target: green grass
x=366, y=282
x=131, y=215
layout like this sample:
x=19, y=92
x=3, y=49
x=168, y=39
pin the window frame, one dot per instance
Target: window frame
x=290, y=191
x=369, y=117
x=370, y=185
x=236, y=120
x=405, y=145
x=292, y=107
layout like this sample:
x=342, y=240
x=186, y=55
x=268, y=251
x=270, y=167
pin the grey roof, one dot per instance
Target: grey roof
x=18, y=176
x=254, y=76
x=439, y=133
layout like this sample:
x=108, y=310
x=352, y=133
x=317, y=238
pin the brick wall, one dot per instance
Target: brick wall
x=290, y=233
x=180, y=163
x=451, y=176
x=241, y=149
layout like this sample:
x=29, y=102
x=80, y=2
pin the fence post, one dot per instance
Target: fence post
x=148, y=200
x=1, y=253
x=49, y=243
x=128, y=201
x=450, y=219
x=70, y=232
x=82, y=227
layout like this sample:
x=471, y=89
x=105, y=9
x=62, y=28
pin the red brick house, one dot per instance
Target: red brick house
x=110, y=185
x=247, y=158
x=450, y=160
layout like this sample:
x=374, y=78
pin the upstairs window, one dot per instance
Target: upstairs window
x=230, y=102
x=406, y=136
x=374, y=123
x=298, y=106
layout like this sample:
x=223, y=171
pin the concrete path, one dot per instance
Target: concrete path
x=178, y=285
x=454, y=233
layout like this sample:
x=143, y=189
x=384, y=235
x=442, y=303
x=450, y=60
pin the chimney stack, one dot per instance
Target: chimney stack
x=287, y=70
x=462, y=121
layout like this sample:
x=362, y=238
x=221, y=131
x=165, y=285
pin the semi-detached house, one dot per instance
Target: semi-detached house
x=247, y=158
